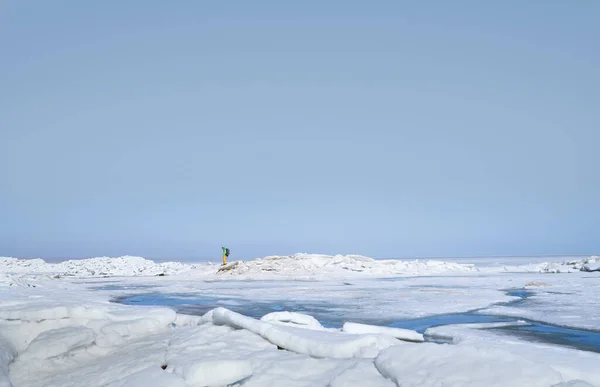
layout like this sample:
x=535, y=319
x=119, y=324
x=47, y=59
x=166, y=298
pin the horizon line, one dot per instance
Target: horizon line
x=256, y=257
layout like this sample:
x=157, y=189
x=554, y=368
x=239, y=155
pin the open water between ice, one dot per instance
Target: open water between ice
x=334, y=315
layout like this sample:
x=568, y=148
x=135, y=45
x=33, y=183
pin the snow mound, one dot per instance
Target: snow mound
x=101, y=266
x=315, y=265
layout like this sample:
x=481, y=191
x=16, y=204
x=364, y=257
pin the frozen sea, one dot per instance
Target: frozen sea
x=302, y=320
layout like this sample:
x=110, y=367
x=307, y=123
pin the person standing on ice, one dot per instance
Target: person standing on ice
x=225, y=255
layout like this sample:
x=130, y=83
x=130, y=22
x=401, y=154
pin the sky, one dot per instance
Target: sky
x=387, y=128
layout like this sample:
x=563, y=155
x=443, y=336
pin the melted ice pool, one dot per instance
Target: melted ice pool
x=334, y=315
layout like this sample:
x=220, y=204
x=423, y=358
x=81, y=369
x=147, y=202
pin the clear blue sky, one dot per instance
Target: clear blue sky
x=390, y=128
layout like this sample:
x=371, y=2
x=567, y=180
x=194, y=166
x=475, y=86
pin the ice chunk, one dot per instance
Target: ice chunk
x=57, y=342
x=432, y=365
x=399, y=333
x=591, y=267
x=585, y=264
x=309, y=342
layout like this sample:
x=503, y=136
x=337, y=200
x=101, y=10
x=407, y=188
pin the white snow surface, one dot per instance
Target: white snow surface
x=63, y=331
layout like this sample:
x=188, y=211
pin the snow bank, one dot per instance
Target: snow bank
x=322, y=344
x=399, y=333
x=102, y=266
x=321, y=266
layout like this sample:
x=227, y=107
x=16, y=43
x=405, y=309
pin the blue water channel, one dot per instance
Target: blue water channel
x=334, y=315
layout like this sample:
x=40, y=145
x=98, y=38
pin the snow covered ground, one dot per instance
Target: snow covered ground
x=58, y=326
